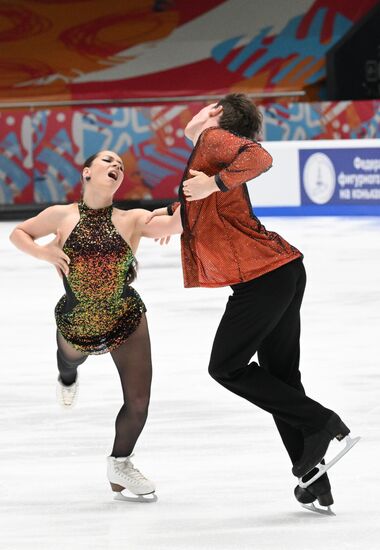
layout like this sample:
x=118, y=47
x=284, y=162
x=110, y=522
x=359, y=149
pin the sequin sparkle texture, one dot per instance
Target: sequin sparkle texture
x=223, y=242
x=99, y=310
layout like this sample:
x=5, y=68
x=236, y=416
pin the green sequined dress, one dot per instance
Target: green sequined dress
x=100, y=309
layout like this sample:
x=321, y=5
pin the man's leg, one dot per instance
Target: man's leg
x=252, y=313
x=279, y=354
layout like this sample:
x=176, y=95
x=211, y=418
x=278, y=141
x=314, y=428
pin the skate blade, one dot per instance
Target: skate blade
x=126, y=496
x=322, y=468
x=323, y=511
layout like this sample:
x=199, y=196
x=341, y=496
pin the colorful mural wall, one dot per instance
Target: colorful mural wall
x=86, y=49
x=41, y=152
x=82, y=50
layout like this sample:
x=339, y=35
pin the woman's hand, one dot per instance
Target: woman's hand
x=45, y=223
x=53, y=253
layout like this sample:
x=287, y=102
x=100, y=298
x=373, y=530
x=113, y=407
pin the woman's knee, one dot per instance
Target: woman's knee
x=66, y=361
x=138, y=405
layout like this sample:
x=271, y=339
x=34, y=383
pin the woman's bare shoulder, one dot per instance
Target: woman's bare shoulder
x=62, y=209
x=48, y=220
x=131, y=215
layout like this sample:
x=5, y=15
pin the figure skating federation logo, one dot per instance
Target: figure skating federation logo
x=319, y=178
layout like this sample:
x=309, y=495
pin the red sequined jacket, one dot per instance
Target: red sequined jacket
x=223, y=242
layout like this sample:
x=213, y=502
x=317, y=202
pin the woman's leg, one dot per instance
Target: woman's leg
x=68, y=360
x=134, y=364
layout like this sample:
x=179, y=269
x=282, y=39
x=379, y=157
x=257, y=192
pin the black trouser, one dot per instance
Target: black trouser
x=263, y=316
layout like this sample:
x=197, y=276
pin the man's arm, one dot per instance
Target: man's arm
x=242, y=160
x=165, y=211
x=158, y=226
x=250, y=161
x=172, y=208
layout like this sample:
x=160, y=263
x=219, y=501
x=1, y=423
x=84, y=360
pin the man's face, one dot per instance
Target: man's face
x=196, y=124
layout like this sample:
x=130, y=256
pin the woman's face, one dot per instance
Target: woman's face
x=106, y=170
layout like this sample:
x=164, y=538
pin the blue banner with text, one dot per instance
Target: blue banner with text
x=340, y=177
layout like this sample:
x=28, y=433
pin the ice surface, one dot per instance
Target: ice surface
x=224, y=480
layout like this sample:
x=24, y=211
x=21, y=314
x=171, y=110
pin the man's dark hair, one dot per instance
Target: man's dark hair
x=240, y=116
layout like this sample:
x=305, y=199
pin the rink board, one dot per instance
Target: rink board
x=319, y=178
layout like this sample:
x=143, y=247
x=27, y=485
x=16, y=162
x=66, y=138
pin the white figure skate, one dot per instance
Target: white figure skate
x=67, y=395
x=125, y=478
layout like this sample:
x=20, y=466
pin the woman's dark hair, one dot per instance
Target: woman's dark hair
x=132, y=271
x=87, y=163
x=240, y=116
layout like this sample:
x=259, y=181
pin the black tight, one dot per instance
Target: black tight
x=133, y=362
x=68, y=360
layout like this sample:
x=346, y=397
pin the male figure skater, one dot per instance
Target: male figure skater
x=224, y=243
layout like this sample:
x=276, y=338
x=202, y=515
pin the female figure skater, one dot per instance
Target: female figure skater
x=94, y=252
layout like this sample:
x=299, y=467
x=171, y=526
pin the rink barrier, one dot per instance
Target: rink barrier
x=308, y=178
x=319, y=178
x=317, y=211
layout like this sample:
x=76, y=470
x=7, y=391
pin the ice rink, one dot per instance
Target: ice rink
x=223, y=478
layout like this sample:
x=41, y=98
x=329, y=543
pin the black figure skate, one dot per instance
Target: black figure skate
x=315, y=448
x=319, y=490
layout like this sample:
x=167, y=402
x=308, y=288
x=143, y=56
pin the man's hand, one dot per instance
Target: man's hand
x=157, y=212
x=163, y=240
x=153, y=214
x=199, y=186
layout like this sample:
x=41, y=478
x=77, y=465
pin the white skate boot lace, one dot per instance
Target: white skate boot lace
x=128, y=471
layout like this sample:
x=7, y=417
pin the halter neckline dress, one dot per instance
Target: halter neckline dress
x=99, y=309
